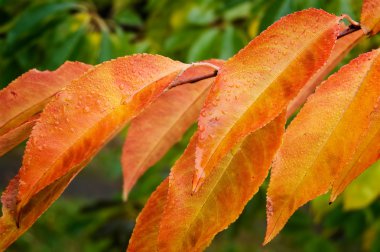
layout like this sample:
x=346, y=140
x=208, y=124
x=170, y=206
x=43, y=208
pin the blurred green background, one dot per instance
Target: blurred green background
x=90, y=216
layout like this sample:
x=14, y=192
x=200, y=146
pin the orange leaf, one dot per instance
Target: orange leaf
x=370, y=16
x=145, y=233
x=190, y=221
x=28, y=94
x=260, y=81
x=9, y=232
x=323, y=137
x=367, y=152
x=163, y=123
x=342, y=47
x=159, y=127
x=79, y=120
x=15, y=136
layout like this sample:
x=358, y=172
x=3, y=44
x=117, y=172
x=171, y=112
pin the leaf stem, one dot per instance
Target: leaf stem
x=176, y=83
x=354, y=26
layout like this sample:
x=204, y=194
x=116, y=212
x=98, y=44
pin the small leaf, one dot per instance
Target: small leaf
x=327, y=136
x=28, y=94
x=15, y=136
x=161, y=125
x=255, y=85
x=370, y=16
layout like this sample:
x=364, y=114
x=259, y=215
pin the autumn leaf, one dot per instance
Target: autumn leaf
x=15, y=136
x=77, y=123
x=163, y=123
x=367, y=152
x=190, y=221
x=342, y=47
x=370, y=16
x=145, y=233
x=26, y=96
x=329, y=133
x=255, y=85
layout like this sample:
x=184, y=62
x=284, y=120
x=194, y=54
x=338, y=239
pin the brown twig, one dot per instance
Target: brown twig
x=352, y=28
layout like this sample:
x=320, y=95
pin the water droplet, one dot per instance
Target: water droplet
x=269, y=207
x=87, y=109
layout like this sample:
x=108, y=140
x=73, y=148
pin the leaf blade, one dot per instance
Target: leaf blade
x=222, y=198
x=342, y=47
x=322, y=139
x=261, y=87
x=145, y=233
x=162, y=124
x=28, y=94
x=62, y=143
x=158, y=128
x=370, y=18
x=15, y=136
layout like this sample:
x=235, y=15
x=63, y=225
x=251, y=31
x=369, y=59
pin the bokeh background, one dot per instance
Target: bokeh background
x=90, y=216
